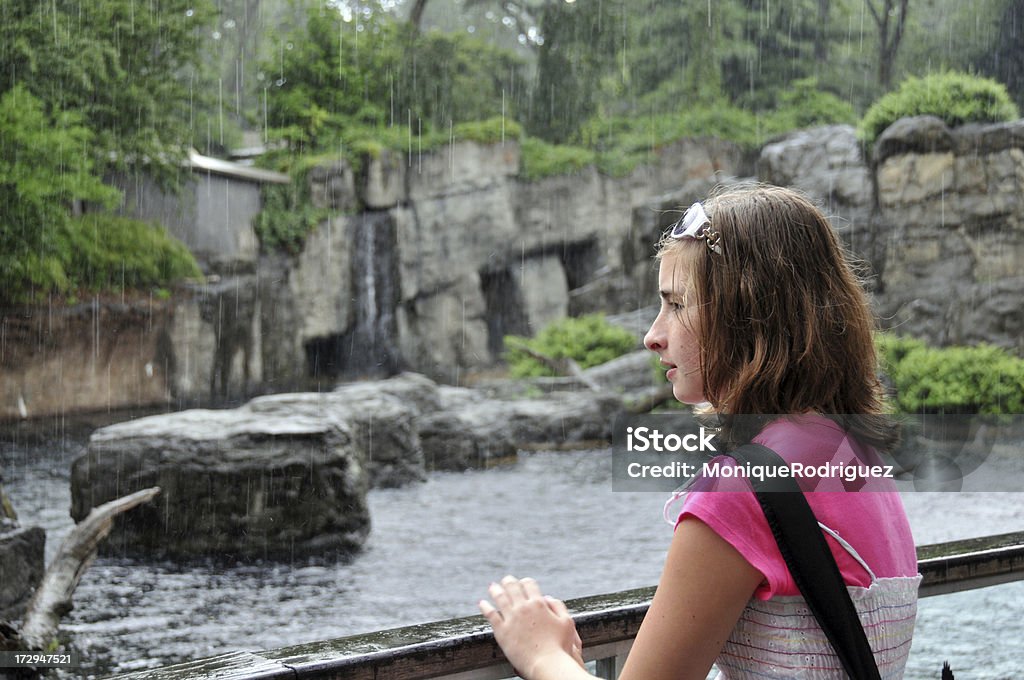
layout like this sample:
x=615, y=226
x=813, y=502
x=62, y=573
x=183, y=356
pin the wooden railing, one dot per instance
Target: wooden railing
x=464, y=649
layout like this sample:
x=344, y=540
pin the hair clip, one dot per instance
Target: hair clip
x=695, y=224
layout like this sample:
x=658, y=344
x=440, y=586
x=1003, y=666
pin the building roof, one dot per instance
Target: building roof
x=199, y=163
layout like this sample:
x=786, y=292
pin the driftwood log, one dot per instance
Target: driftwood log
x=52, y=598
x=566, y=366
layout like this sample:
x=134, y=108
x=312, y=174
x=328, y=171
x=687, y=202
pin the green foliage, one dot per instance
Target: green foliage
x=956, y=98
x=288, y=215
x=112, y=252
x=122, y=65
x=490, y=131
x=45, y=164
x=804, y=104
x=953, y=380
x=580, y=45
x=588, y=340
x=373, y=73
x=540, y=159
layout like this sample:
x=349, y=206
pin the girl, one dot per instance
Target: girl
x=760, y=314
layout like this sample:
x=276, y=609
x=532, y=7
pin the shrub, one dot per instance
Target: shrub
x=803, y=104
x=893, y=348
x=588, y=340
x=490, y=131
x=956, y=98
x=540, y=159
x=288, y=214
x=112, y=252
x=954, y=380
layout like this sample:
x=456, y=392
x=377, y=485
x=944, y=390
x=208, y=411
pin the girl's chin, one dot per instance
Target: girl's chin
x=683, y=397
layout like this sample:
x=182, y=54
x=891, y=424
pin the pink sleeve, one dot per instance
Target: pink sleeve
x=729, y=507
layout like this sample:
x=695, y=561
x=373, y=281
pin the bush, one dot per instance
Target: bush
x=540, y=159
x=893, y=348
x=288, y=214
x=588, y=340
x=803, y=104
x=109, y=252
x=956, y=98
x=954, y=380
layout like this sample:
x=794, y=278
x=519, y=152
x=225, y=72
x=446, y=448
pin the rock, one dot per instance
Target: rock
x=382, y=416
x=237, y=484
x=320, y=280
x=474, y=431
x=214, y=341
x=382, y=185
x=824, y=162
x=21, y=569
x=444, y=333
x=631, y=373
x=952, y=269
x=545, y=291
x=332, y=186
x=914, y=134
x=988, y=138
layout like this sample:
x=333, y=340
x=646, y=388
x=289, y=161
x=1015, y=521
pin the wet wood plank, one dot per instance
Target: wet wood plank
x=461, y=649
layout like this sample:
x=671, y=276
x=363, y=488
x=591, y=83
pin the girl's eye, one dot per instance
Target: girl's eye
x=676, y=306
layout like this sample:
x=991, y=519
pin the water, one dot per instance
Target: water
x=433, y=550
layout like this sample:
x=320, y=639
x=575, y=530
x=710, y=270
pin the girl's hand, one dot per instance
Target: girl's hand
x=533, y=630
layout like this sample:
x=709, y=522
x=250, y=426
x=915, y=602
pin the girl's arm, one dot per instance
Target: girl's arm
x=703, y=589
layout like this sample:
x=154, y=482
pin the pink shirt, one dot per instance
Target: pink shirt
x=871, y=519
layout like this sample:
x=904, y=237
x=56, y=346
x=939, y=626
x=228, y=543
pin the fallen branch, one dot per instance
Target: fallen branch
x=651, y=400
x=52, y=598
x=563, y=366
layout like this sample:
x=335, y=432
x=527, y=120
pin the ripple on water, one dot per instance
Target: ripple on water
x=433, y=549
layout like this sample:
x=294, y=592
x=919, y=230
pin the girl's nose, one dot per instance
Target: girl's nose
x=654, y=340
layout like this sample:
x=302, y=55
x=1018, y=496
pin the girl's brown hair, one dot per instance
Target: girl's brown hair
x=783, y=322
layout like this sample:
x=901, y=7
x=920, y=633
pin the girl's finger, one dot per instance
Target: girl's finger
x=531, y=588
x=557, y=606
x=489, y=612
x=500, y=595
x=514, y=588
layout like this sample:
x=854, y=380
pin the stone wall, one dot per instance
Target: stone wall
x=426, y=261
x=938, y=217
x=88, y=357
x=954, y=203
x=476, y=253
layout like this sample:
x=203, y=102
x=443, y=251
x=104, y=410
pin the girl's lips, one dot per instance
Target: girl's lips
x=670, y=373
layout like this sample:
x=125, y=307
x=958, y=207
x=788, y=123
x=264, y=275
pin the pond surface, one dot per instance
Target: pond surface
x=432, y=551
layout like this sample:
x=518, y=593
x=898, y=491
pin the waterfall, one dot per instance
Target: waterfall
x=370, y=345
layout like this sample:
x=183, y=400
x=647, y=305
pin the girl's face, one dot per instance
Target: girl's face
x=674, y=334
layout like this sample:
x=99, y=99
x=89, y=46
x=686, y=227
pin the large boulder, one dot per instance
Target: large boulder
x=236, y=484
x=473, y=431
x=381, y=415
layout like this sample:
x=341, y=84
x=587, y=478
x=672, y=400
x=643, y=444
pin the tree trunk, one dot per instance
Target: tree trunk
x=52, y=598
x=821, y=34
x=416, y=15
x=888, y=42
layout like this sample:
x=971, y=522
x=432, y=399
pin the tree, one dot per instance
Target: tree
x=891, y=20
x=46, y=162
x=1005, y=62
x=580, y=44
x=124, y=66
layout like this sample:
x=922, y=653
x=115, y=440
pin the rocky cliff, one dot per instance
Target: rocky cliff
x=425, y=262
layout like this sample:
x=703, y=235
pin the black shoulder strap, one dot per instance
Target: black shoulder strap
x=810, y=562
